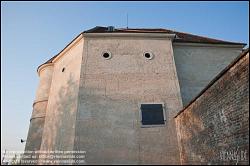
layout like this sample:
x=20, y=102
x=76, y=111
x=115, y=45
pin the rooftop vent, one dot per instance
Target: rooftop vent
x=111, y=28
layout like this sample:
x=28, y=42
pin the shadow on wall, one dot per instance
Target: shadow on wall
x=106, y=128
x=66, y=109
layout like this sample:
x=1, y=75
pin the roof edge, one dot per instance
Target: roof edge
x=120, y=34
x=54, y=57
x=180, y=36
x=206, y=44
x=227, y=43
x=42, y=67
x=215, y=40
x=69, y=46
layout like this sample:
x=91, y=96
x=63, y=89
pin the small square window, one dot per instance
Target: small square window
x=152, y=114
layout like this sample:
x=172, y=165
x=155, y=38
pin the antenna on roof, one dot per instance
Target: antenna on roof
x=127, y=20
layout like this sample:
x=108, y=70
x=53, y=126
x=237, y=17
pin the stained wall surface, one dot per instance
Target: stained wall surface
x=197, y=65
x=108, y=123
x=37, y=119
x=59, y=128
x=92, y=104
x=214, y=129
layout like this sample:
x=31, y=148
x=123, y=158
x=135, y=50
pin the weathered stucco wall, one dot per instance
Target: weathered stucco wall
x=34, y=137
x=197, y=65
x=214, y=129
x=59, y=128
x=108, y=125
x=86, y=102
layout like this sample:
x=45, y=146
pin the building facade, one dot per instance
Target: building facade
x=114, y=93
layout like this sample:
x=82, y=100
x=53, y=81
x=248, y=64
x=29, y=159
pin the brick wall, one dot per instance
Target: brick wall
x=214, y=127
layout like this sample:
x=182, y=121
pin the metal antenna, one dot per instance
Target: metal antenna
x=127, y=20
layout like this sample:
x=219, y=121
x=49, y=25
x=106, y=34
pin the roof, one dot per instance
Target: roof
x=237, y=59
x=181, y=37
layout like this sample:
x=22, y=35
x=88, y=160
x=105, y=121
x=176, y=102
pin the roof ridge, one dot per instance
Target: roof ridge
x=205, y=37
x=181, y=36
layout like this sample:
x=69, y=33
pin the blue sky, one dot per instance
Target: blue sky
x=32, y=32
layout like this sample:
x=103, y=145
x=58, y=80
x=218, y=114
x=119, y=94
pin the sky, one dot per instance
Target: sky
x=33, y=32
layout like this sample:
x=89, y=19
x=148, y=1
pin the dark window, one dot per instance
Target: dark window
x=106, y=55
x=147, y=55
x=152, y=114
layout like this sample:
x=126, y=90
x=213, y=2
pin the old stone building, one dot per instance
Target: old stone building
x=114, y=93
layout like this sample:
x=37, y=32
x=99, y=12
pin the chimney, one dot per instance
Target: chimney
x=111, y=28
